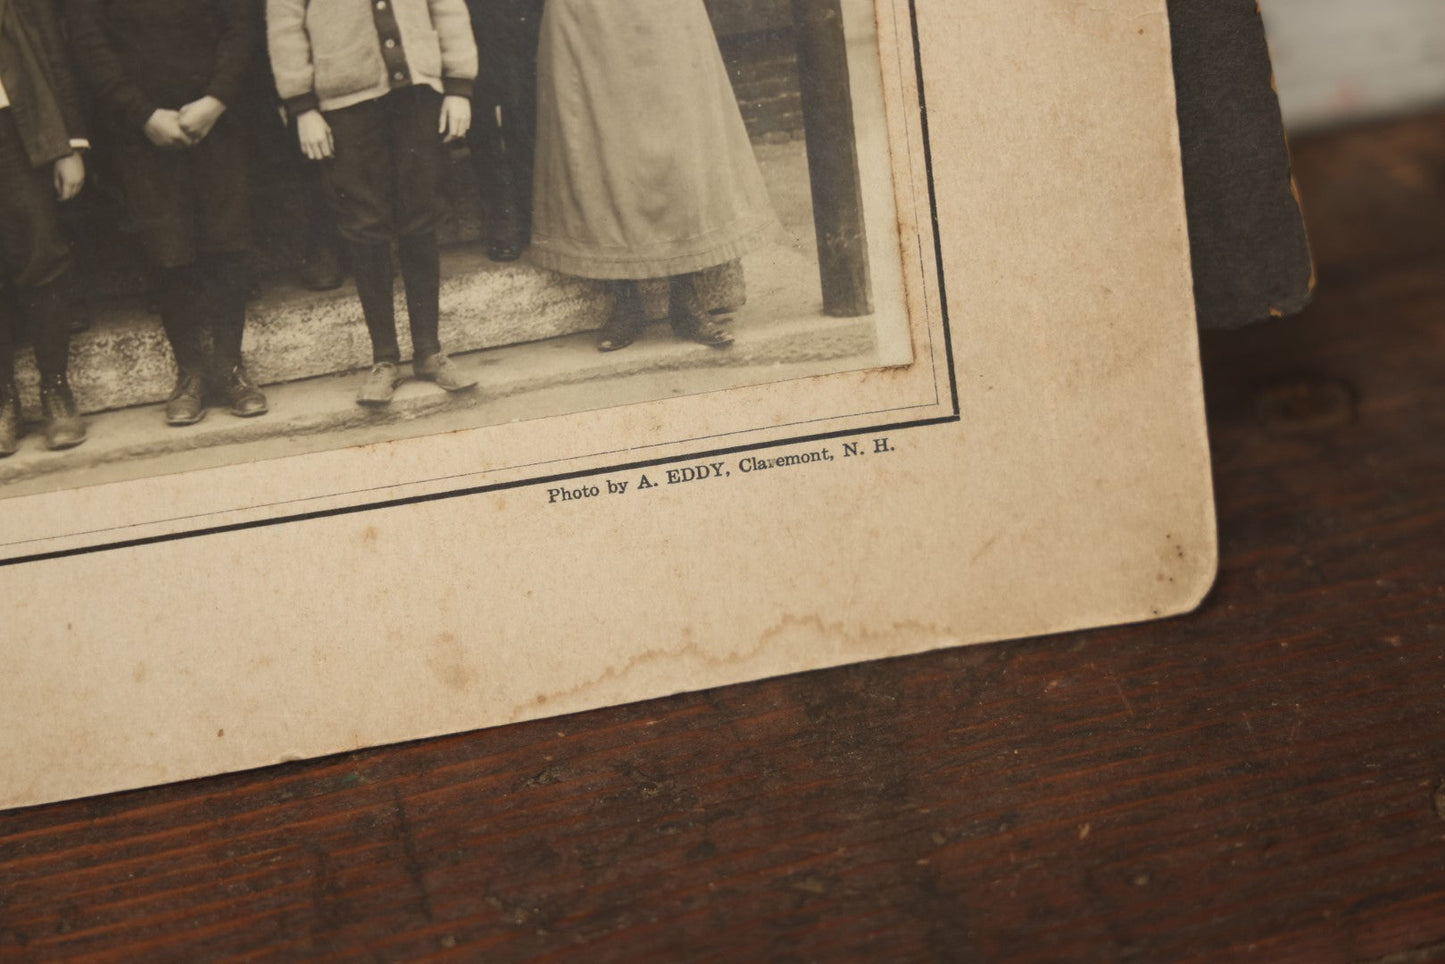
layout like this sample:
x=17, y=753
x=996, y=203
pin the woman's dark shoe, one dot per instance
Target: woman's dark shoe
x=690, y=319
x=9, y=420
x=504, y=251
x=242, y=395
x=64, y=428
x=615, y=334
x=704, y=330
x=626, y=321
x=187, y=404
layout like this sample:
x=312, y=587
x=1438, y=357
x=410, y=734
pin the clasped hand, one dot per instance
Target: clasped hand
x=186, y=127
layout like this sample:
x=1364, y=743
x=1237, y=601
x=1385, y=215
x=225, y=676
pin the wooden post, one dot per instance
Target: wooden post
x=832, y=157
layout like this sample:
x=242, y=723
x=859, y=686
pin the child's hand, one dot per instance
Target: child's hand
x=315, y=136
x=456, y=118
x=199, y=116
x=69, y=176
x=164, y=130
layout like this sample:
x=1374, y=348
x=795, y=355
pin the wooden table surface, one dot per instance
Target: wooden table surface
x=1263, y=780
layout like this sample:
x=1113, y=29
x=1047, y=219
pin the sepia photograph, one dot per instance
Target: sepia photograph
x=387, y=369
x=555, y=550
x=243, y=231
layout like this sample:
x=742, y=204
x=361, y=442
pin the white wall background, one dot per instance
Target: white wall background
x=1340, y=60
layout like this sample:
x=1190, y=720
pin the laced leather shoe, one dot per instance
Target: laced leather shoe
x=187, y=404
x=64, y=427
x=626, y=321
x=379, y=385
x=242, y=395
x=440, y=369
x=701, y=328
x=690, y=318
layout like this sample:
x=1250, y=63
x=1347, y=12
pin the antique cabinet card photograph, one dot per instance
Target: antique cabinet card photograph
x=436, y=366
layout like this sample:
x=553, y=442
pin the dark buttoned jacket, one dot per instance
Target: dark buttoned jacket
x=38, y=82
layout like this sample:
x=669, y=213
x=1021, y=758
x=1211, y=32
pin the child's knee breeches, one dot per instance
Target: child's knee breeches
x=193, y=201
x=385, y=179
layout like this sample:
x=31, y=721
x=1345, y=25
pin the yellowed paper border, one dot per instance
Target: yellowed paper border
x=1070, y=489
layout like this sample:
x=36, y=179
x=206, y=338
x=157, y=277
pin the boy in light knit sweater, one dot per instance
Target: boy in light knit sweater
x=377, y=87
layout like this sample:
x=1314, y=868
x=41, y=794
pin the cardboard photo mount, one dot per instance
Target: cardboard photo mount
x=1042, y=465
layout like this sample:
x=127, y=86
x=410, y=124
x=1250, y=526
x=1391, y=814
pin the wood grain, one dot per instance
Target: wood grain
x=1261, y=780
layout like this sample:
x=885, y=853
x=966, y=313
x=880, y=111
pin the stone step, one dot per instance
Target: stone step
x=292, y=333
x=515, y=381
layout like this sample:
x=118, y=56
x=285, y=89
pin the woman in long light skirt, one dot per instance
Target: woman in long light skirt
x=643, y=168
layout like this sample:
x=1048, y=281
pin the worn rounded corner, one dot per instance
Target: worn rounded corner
x=1201, y=577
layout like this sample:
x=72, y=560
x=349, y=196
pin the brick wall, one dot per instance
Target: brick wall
x=757, y=43
x=737, y=17
x=764, y=71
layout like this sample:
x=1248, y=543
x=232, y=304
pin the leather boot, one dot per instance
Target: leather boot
x=378, y=385
x=626, y=320
x=9, y=419
x=690, y=319
x=187, y=404
x=64, y=427
x=241, y=394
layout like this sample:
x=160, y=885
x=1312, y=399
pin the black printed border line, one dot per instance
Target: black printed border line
x=621, y=467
